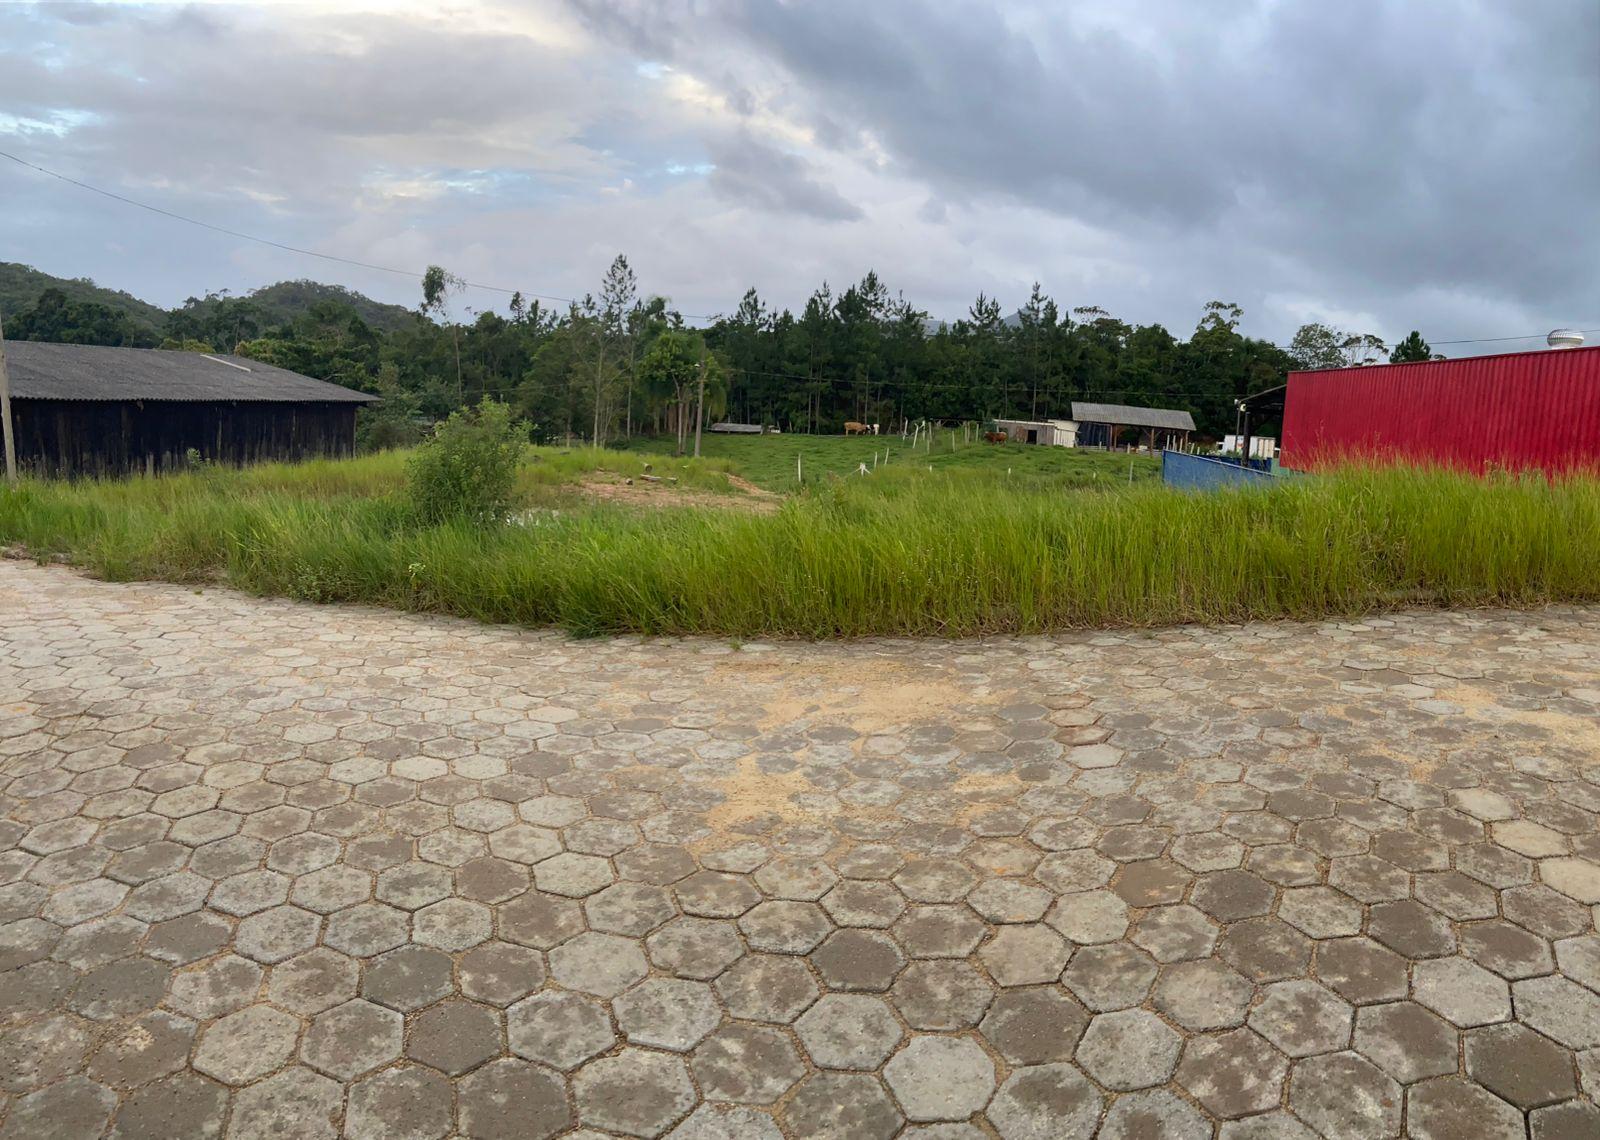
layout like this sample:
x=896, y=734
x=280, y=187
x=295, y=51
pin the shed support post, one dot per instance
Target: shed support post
x=6, y=426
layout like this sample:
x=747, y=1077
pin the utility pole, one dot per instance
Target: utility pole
x=5, y=412
x=700, y=401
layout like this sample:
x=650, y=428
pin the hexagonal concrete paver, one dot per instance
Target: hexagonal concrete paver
x=858, y=960
x=767, y=987
x=635, y=1092
x=74, y=1107
x=1519, y=1065
x=941, y=995
x=1033, y=1026
x=600, y=964
x=285, y=869
x=842, y=1106
x=1154, y=1113
x=217, y=987
x=1302, y=1018
x=511, y=1100
x=452, y=924
x=940, y=1078
x=1129, y=1049
x=1448, y=1108
x=559, y=1029
x=1232, y=1074
x=1202, y=995
x=1344, y=1094
x=454, y=1036
x=352, y=1039
x=407, y=1102
x=667, y=1013
x=848, y=1031
x=295, y=1102
x=1461, y=992
x=314, y=981
x=1406, y=1041
x=500, y=973
x=247, y=1044
x=746, y=1064
x=1042, y=1102
x=698, y=948
x=408, y=978
x=148, y=1048
x=1560, y=1009
x=1024, y=955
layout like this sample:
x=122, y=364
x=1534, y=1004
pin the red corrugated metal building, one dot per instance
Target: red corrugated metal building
x=1517, y=410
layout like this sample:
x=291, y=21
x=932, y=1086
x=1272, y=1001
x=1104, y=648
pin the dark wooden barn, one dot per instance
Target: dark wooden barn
x=86, y=410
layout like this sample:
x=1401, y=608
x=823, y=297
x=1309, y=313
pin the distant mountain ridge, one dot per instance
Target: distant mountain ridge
x=286, y=300
x=21, y=286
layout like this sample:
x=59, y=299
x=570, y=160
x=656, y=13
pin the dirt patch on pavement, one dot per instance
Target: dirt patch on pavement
x=869, y=694
x=1575, y=732
x=752, y=793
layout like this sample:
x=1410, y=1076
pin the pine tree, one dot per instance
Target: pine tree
x=1413, y=348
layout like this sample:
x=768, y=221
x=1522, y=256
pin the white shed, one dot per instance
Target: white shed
x=1050, y=433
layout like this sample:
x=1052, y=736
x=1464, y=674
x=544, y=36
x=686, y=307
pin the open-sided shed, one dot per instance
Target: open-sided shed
x=1098, y=424
x=88, y=410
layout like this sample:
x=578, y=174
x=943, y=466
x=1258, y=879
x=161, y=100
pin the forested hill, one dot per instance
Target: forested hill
x=625, y=361
x=288, y=300
x=21, y=286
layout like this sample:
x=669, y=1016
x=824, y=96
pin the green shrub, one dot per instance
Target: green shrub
x=467, y=469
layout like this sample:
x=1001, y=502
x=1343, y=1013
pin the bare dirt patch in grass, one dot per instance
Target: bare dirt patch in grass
x=638, y=493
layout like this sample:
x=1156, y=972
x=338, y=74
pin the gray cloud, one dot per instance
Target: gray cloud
x=1377, y=146
x=752, y=173
x=1389, y=163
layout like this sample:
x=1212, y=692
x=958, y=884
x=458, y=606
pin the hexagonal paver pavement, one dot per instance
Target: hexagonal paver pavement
x=269, y=869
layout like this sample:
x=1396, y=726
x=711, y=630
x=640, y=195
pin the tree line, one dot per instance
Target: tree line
x=620, y=363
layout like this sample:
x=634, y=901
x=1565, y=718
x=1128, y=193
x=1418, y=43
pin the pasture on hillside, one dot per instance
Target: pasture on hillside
x=963, y=550
x=769, y=460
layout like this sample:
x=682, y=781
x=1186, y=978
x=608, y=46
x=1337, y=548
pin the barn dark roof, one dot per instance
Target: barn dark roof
x=41, y=371
x=1124, y=416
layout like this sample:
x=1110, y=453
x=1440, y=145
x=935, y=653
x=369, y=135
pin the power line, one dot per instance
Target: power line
x=1499, y=339
x=474, y=284
x=286, y=247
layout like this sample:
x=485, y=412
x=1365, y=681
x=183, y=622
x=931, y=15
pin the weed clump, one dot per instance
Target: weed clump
x=467, y=469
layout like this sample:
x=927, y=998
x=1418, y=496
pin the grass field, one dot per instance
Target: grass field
x=965, y=550
x=769, y=460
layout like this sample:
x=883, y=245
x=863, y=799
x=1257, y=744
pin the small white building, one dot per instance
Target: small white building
x=1261, y=446
x=1050, y=433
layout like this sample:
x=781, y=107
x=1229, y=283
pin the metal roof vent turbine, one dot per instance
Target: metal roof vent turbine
x=1564, y=338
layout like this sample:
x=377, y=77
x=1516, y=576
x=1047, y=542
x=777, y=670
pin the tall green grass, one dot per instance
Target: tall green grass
x=894, y=555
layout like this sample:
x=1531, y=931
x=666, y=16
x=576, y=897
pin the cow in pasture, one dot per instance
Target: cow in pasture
x=853, y=428
x=994, y=437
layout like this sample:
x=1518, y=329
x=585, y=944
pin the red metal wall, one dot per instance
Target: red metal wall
x=1523, y=409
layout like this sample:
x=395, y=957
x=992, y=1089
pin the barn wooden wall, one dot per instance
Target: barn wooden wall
x=73, y=437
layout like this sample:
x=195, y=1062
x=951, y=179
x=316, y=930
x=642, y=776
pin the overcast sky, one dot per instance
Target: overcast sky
x=1378, y=164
